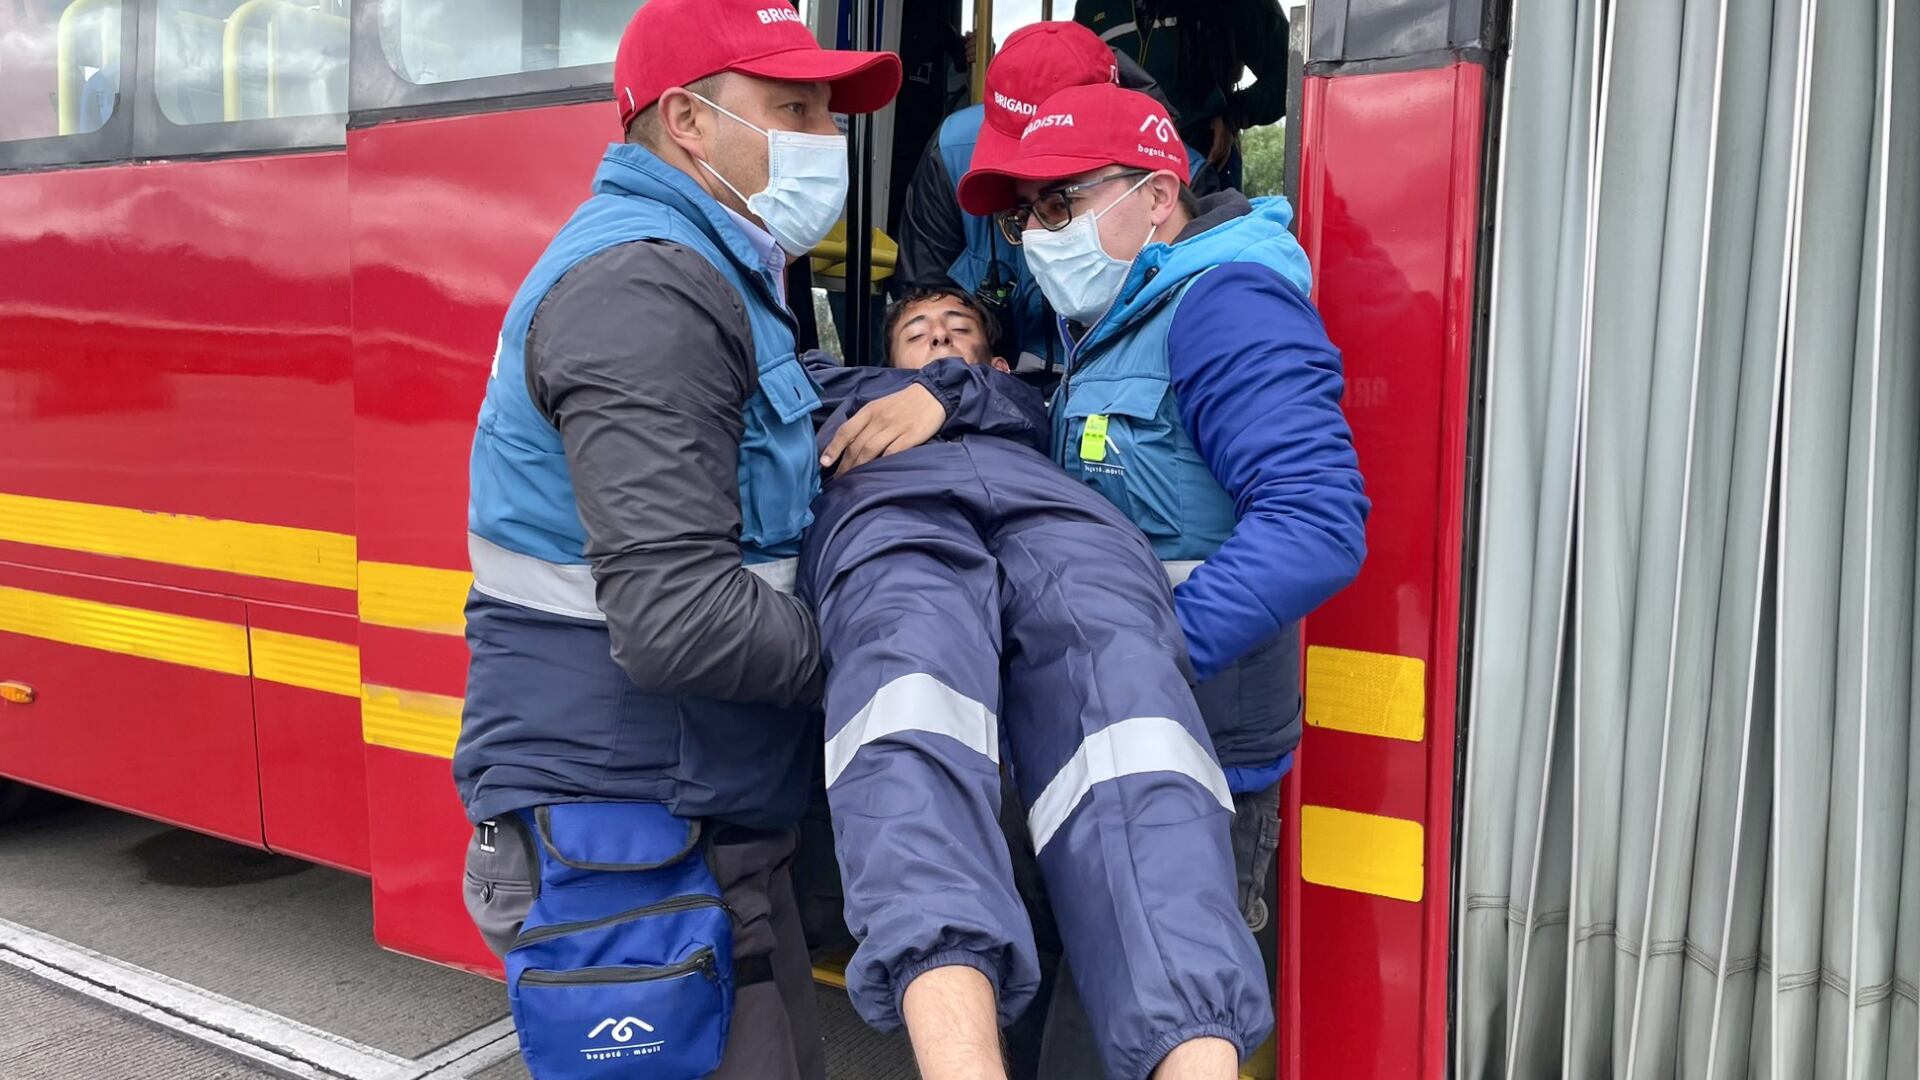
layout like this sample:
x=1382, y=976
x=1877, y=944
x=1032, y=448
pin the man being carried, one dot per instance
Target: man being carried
x=971, y=596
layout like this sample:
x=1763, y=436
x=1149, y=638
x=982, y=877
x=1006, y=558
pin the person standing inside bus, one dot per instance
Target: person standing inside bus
x=1202, y=396
x=639, y=710
x=942, y=245
x=1199, y=50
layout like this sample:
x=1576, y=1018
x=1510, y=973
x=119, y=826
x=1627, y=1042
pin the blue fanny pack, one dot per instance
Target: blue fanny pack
x=625, y=960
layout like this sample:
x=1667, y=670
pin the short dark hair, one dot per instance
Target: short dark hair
x=920, y=294
x=1189, y=205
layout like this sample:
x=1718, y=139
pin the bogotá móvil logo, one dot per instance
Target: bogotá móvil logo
x=1161, y=127
x=621, y=1032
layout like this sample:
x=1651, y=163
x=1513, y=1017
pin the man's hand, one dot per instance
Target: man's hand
x=1222, y=143
x=900, y=421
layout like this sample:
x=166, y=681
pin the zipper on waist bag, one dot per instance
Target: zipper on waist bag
x=702, y=962
x=664, y=907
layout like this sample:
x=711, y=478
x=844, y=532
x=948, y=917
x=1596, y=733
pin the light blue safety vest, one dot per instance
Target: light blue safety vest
x=989, y=258
x=525, y=536
x=1116, y=423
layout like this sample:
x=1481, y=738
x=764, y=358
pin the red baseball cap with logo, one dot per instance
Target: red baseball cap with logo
x=1037, y=61
x=671, y=43
x=1078, y=130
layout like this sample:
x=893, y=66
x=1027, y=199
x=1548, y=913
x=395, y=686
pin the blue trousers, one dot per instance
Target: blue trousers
x=977, y=605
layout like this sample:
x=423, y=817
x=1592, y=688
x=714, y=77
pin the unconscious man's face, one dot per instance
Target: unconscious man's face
x=937, y=328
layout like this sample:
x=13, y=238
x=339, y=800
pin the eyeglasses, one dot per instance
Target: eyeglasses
x=1053, y=209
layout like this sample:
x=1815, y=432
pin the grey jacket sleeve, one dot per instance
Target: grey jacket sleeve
x=641, y=356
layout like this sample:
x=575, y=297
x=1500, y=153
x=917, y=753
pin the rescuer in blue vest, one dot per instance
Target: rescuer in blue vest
x=1201, y=396
x=639, y=711
x=942, y=245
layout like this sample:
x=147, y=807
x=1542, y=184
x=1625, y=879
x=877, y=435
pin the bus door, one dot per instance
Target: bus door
x=475, y=129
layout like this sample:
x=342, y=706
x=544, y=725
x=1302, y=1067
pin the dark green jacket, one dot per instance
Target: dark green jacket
x=1196, y=50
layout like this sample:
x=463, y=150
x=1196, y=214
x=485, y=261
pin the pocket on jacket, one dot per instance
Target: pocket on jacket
x=500, y=880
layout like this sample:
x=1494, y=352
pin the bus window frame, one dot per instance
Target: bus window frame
x=156, y=135
x=377, y=92
x=111, y=142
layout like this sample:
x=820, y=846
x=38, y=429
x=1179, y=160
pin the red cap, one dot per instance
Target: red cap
x=1077, y=130
x=671, y=43
x=1038, y=61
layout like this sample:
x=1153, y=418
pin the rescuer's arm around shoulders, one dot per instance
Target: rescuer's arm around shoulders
x=642, y=358
x=1259, y=387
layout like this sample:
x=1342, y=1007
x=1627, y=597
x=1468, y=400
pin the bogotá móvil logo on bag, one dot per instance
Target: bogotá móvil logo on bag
x=615, y=1039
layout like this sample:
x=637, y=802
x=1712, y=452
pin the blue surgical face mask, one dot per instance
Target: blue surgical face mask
x=806, y=185
x=1073, y=268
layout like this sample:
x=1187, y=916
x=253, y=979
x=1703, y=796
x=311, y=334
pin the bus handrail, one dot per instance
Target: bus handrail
x=68, y=87
x=238, y=23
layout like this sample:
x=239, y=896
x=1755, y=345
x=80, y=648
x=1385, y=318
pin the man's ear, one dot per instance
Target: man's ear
x=1166, y=195
x=683, y=121
x=1000, y=364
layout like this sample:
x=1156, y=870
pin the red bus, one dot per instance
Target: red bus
x=1611, y=765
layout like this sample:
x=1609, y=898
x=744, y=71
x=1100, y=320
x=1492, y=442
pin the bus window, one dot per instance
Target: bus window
x=59, y=67
x=218, y=61
x=435, y=41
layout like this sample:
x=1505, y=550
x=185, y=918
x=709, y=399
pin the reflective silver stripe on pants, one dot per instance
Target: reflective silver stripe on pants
x=1143, y=744
x=917, y=702
x=529, y=582
x=1114, y=32
x=1179, y=570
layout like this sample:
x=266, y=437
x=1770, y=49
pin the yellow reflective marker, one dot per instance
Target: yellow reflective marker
x=130, y=631
x=1093, y=439
x=421, y=598
x=408, y=720
x=311, y=663
x=1367, y=693
x=1365, y=853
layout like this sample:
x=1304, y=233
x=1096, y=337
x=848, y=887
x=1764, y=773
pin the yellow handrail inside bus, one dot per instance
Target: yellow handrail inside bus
x=238, y=23
x=982, y=48
x=69, y=81
x=830, y=255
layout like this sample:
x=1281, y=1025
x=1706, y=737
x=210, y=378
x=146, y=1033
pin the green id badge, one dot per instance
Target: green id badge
x=1093, y=439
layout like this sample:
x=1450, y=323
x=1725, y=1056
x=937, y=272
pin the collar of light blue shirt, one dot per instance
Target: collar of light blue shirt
x=764, y=245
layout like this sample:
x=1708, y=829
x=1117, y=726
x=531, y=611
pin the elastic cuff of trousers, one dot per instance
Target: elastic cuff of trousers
x=1158, y=1050
x=947, y=958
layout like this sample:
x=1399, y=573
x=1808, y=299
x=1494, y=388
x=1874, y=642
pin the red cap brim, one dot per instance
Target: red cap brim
x=862, y=82
x=993, y=148
x=989, y=191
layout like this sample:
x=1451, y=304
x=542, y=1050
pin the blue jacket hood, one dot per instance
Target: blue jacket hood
x=1228, y=229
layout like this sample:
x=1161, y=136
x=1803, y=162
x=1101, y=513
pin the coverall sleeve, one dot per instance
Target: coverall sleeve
x=932, y=231
x=979, y=400
x=642, y=358
x=1258, y=386
x=1261, y=38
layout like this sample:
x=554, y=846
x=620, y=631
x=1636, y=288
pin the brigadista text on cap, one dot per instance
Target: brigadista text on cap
x=1037, y=61
x=1078, y=130
x=671, y=43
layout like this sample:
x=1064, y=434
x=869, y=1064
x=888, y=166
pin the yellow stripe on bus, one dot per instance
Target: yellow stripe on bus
x=1367, y=693
x=414, y=597
x=409, y=720
x=1365, y=853
x=308, y=556
x=153, y=635
x=331, y=667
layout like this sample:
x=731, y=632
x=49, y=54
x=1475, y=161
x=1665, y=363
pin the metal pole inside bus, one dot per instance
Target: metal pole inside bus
x=859, y=265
